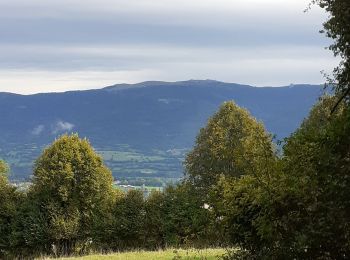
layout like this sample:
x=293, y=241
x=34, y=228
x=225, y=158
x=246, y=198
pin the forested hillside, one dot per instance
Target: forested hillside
x=142, y=130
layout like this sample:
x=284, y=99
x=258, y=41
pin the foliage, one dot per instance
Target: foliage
x=3, y=168
x=232, y=144
x=7, y=210
x=174, y=217
x=71, y=186
x=154, y=221
x=233, y=148
x=317, y=161
x=337, y=27
x=128, y=221
x=186, y=221
x=10, y=199
x=301, y=210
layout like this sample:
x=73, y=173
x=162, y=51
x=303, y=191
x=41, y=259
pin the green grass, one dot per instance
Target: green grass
x=125, y=156
x=170, y=254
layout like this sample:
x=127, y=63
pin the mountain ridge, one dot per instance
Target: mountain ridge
x=152, y=83
x=142, y=131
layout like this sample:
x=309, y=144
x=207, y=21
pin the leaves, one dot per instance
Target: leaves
x=71, y=186
x=337, y=27
x=232, y=144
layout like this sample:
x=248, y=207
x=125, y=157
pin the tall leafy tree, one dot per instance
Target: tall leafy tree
x=71, y=186
x=232, y=144
x=317, y=162
x=337, y=27
x=233, y=147
x=300, y=210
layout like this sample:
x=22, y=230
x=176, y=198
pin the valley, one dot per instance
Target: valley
x=143, y=131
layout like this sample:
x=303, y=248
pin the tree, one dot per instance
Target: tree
x=186, y=221
x=3, y=168
x=299, y=210
x=71, y=186
x=241, y=208
x=155, y=219
x=127, y=229
x=317, y=163
x=337, y=27
x=232, y=144
x=9, y=200
x=303, y=212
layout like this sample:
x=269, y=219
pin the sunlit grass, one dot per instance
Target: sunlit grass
x=170, y=254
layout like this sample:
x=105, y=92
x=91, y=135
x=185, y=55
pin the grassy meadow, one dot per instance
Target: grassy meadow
x=169, y=254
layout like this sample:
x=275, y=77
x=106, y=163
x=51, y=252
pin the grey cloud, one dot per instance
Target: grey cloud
x=90, y=31
x=182, y=22
x=207, y=13
x=107, y=58
x=58, y=45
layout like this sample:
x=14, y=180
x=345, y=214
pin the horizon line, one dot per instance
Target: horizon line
x=144, y=84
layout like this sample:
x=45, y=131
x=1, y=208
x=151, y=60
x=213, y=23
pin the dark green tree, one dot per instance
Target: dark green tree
x=317, y=164
x=9, y=200
x=155, y=220
x=186, y=221
x=127, y=229
x=302, y=210
x=337, y=27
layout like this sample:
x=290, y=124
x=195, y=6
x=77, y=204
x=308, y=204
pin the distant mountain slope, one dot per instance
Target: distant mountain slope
x=150, y=124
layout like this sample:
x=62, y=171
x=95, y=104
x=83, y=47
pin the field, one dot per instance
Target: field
x=170, y=254
x=152, y=168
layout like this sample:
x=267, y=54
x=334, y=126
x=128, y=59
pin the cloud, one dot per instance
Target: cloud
x=38, y=130
x=45, y=68
x=152, y=11
x=74, y=44
x=138, y=57
x=62, y=126
x=180, y=23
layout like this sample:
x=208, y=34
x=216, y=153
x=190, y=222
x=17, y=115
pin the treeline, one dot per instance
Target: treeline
x=72, y=208
x=238, y=191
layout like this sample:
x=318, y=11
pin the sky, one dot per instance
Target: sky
x=54, y=46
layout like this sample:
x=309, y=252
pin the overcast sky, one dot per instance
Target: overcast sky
x=62, y=45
